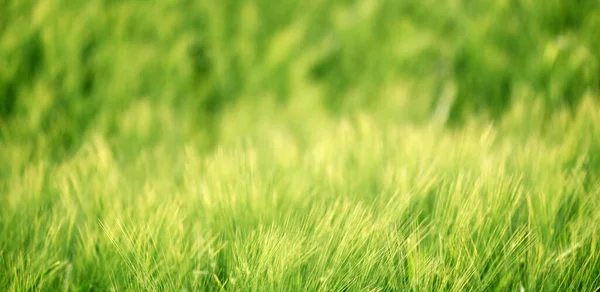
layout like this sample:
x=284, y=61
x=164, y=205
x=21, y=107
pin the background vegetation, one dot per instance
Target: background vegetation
x=302, y=145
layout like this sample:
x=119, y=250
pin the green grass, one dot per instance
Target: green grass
x=320, y=145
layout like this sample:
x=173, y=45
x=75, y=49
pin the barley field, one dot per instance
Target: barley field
x=318, y=145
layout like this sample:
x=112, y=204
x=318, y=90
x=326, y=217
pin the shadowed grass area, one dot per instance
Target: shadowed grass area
x=320, y=145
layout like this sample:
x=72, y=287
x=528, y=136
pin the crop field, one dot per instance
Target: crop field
x=318, y=145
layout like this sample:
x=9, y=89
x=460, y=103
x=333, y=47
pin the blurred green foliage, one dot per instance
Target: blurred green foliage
x=137, y=70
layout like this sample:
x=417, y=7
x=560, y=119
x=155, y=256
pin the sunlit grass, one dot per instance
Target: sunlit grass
x=359, y=204
x=299, y=146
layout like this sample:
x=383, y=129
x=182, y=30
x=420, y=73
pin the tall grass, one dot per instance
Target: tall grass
x=359, y=204
x=316, y=145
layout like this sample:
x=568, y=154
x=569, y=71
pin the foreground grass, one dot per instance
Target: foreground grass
x=351, y=204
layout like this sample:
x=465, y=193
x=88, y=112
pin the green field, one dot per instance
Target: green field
x=376, y=145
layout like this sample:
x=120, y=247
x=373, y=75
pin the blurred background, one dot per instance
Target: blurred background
x=147, y=73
